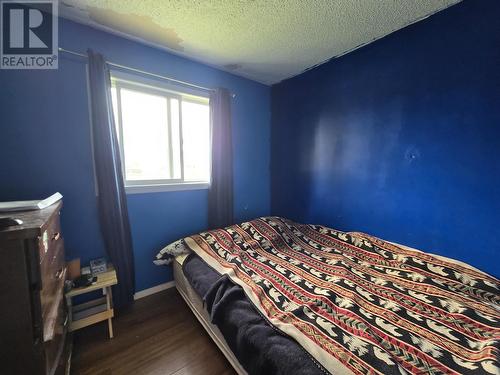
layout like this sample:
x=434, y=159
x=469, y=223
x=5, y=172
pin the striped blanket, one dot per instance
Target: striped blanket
x=358, y=304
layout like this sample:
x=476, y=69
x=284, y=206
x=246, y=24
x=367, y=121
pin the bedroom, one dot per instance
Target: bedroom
x=379, y=119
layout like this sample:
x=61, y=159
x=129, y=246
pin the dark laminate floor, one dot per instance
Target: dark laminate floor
x=158, y=335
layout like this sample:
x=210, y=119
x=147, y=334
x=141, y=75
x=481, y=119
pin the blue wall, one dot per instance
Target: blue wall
x=45, y=147
x=401, y=138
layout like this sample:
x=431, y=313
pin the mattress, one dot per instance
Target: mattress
x=249, y=342
x=195, y=303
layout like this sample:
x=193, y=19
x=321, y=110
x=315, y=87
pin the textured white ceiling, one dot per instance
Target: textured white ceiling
x=264, y=40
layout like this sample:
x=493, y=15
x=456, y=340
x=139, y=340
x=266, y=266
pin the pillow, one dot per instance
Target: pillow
x=168, y=253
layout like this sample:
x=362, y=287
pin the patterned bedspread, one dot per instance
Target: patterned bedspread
x=358, y=304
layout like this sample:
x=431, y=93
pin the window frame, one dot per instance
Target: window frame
x=120, y=80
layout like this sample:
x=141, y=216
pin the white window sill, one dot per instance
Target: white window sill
x=141, y=189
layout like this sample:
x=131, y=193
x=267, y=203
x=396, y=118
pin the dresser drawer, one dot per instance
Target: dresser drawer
x=53, y=274
x=53, y=348
x=51, y=235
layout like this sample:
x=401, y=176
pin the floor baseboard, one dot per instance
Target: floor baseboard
x=158, y=288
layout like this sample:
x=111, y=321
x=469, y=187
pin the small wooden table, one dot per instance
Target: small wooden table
x=85, y=314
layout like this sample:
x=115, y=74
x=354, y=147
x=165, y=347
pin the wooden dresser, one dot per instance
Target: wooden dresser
x=33, y=318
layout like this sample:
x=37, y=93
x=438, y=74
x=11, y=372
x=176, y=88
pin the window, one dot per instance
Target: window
x=164, y=136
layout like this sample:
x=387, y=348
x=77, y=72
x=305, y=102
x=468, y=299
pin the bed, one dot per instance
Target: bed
x=279, y=297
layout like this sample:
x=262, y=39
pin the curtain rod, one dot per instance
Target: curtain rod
x=143, y=72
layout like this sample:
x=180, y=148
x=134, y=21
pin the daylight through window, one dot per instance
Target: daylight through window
x=164, y=136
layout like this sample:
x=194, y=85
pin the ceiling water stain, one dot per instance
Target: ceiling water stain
x=71, y=5
x=136, y=25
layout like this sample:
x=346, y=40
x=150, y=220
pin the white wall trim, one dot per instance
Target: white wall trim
x=156, y=289
x=158, y=188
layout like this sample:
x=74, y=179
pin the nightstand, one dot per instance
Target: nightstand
x=85, y=314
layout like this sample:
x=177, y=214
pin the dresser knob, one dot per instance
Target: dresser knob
x=56, y=236
x=59, y=273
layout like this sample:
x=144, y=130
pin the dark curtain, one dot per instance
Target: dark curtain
x=111, y=199
x=220, y=194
